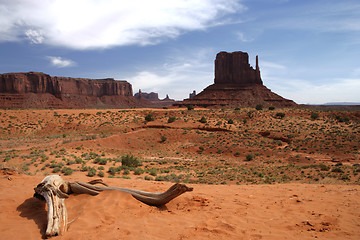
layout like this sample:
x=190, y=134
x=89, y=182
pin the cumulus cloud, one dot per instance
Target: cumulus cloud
x=86, y=24
x=34, y=36
x=61, y=62
x=177, y=77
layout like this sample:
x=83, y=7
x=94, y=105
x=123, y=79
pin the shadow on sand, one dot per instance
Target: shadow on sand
x=34, y=209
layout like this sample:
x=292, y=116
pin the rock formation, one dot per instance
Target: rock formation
x=193, y=94
x=39, y=90
x=154, y=100
x=237, y=84
x=148, y=96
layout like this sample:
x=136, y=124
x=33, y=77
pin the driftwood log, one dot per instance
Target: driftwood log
x=53, y=189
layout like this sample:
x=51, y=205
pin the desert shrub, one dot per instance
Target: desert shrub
x=67, y=171
x=149, y=117
x=249, y=157
x=314, y=116
x=171, y=119
x=342, y=119
x=250, y=113
x=259, y=107
x=83, y=168
x=201, y=148
x=163, y=138
x=91, y=172
x=160, y=178
x=337, y=170
x=190, y=107
x=230, y=121
x=130, y=161
x=237, y=154
x=102, y=161
x=56, y=169
x=101, y=174
x=271, y=108
x=138, y=171
x=126, y=172
x=153, y=172
x=202, y=119
x=148, y=178
x=112, y=170
x=101, y=168
x=323, y=167
x=280, y=115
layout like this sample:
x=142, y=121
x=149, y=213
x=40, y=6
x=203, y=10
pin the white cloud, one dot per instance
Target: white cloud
x=35, y=37
x=177, y=77
x=304, y=92
x=61, y=62
x=86, y=24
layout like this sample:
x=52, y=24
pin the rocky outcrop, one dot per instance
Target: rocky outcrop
x=148, y=96
x=237, y=84
x=153, y=99
x=234, y=69
x=39, y=90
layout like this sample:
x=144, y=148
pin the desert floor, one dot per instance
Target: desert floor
x=256, y=174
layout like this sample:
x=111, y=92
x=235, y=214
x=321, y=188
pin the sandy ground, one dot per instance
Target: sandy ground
x=280, y=211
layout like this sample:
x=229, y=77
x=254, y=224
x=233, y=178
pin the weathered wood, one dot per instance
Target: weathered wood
x=54, y=190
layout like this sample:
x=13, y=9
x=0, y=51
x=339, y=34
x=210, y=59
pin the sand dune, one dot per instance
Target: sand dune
x=282, y=211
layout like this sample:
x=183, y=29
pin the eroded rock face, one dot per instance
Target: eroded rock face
x=234, y=68
x=237, y=84
x=43, y=91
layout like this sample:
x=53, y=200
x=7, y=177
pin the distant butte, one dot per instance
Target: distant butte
x=40, y=90
x=237, y=84
x=154, y=100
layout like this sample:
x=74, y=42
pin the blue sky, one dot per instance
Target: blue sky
x=308, y=49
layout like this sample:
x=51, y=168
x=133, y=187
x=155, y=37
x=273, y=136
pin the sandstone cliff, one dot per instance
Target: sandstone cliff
x=39, y=90
x=237, y=84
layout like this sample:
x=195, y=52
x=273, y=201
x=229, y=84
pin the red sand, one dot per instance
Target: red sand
x=282, y=211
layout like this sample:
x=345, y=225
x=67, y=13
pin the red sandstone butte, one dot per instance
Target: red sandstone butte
x=237, y=84
x=40, y=90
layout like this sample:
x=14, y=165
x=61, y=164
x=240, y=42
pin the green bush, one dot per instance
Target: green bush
x=153, y=172
x=91, y=172
x=249, y=157
x=163, y=138
x=130, y=161
x=271, y=108
x=112, y=170
x=324, y=167
x=149, y=117
x=138, y=171
x=190, y=107
x=259, y=107
x=337, y=170
x=67, y=171
x=101, y=174
x=171, y=119
x=202, y=120
x=230, y=121
x=280, y=115
x=148, y=178
x=314, y=116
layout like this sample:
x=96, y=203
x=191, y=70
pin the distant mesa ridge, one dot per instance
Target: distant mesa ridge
x=236, y=83
x=40, y=90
